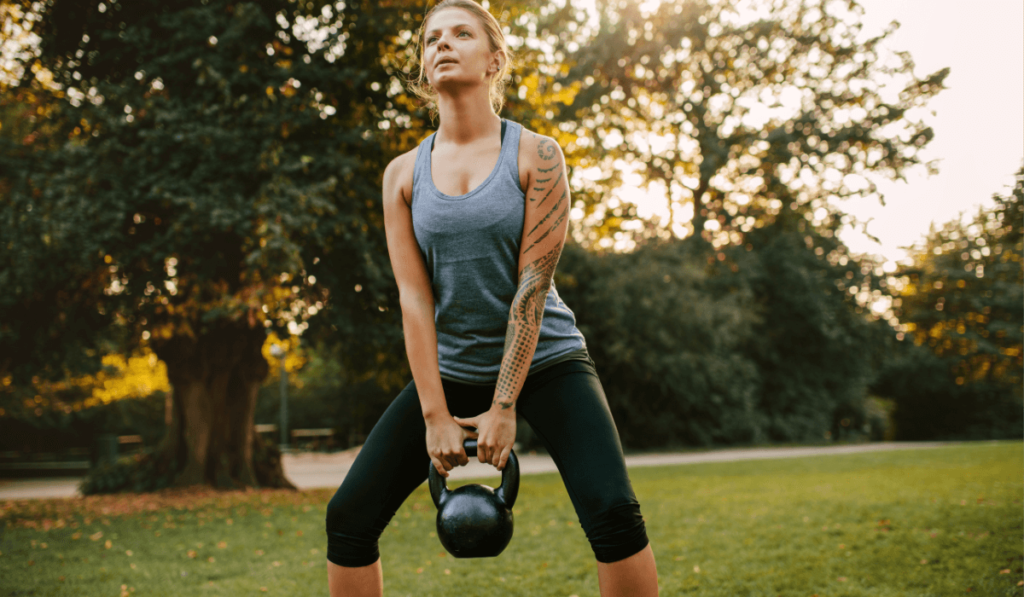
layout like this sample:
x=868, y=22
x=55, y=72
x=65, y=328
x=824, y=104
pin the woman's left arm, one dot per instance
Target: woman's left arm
x=545, y=223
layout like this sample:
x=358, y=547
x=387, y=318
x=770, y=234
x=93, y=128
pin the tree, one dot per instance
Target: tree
x=959, y=307
x=204, y=173
x=742, y=112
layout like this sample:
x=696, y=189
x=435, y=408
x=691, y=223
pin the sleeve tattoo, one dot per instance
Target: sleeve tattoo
x=527, y=309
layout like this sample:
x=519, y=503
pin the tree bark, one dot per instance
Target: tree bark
x=211, y=440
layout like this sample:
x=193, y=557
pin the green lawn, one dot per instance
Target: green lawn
x=928, y=522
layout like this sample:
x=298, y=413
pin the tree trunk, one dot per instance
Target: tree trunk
x=211, y=440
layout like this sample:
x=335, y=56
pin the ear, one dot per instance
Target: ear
x=499, y=59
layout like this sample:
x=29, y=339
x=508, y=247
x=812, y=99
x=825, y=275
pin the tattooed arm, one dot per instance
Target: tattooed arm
x=544, y=227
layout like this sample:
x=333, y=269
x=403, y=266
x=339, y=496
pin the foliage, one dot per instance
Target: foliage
x=667, y=350
x=738, y=112
x=757, y=346
x=120, y=378
x=964, y=291
x=148, y=470
x=960, y=314
x=216, y=166
x=882, y=524
x=56, y=432
x=135, y=473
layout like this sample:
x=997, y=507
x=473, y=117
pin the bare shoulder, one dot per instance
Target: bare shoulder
x=399, y=174
x=538, y=155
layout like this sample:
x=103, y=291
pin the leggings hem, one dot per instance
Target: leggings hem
x=623, y=551
x=352, y=562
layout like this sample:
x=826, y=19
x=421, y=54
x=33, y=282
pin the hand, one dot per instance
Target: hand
x=496, y=430
x=445, y=444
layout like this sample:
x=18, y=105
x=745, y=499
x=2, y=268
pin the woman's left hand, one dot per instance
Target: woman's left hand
x=496, y=432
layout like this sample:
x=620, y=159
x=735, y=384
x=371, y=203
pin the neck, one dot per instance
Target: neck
x=466, y=117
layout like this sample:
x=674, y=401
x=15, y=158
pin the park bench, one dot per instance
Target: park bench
x=314, y=438
x=321, y=438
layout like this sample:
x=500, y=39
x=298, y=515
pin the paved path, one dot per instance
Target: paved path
x=317, y=470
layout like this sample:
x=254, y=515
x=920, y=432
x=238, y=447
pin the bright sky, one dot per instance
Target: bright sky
x=979, y=121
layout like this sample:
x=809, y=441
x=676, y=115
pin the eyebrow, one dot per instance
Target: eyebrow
x=453, y=27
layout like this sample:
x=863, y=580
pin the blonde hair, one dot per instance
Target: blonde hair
x=422, y=89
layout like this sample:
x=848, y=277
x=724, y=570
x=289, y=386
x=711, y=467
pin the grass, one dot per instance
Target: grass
x=911, y=523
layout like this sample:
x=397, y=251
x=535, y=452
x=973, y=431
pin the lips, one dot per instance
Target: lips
x=446, y=61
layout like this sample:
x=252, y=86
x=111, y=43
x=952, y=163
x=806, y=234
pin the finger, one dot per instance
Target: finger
x=440, y=469
x=503, y=459
x=470, y=422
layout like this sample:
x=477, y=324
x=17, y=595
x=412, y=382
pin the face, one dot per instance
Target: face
x=455, y=36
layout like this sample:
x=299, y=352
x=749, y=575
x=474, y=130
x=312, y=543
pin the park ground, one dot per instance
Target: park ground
x=900, y=522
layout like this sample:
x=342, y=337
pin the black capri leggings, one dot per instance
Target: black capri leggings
x=566, y=407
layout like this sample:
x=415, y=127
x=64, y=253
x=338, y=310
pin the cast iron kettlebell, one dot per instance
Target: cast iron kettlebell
x=475, y=521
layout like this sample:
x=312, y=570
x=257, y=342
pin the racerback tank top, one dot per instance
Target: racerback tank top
x=470, y=244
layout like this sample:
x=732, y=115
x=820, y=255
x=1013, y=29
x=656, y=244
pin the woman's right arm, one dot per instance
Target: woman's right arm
x=444, y=435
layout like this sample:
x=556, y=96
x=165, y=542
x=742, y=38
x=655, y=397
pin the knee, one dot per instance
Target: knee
x=351, y=538
x=617, y=532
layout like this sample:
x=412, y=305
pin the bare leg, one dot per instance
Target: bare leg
x=636, y=576
x=367, y=581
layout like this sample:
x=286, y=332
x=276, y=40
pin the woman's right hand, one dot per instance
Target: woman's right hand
x=445, y=447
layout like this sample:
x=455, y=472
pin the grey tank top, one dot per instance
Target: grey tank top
x=470, y=244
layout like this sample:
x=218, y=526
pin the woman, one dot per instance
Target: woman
x=476, y=217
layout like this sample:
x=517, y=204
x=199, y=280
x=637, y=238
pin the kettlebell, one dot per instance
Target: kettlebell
x=475, y=521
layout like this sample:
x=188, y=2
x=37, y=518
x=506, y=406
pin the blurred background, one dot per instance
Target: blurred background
x=794, y=222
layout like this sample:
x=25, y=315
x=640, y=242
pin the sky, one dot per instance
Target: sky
x=979, y=120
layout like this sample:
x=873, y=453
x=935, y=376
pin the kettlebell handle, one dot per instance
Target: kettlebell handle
x=506, y=492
